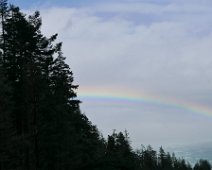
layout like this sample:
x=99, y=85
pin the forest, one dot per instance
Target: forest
x=41, y=125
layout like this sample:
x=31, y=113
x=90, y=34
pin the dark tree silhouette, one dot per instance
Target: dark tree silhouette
x=202, y=165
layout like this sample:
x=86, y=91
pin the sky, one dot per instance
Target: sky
x=144, y=66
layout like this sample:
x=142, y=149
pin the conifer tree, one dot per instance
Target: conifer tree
x=6, y=128
x=3, y=15
x=202, y=165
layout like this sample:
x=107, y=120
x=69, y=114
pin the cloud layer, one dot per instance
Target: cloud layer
x=163, y=48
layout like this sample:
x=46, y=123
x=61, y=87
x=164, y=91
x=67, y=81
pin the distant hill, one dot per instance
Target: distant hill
x=194, y=152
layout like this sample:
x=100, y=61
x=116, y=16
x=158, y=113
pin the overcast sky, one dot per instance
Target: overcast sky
x=162, y=48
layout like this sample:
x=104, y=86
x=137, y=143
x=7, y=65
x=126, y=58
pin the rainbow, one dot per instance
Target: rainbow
x=126, y=97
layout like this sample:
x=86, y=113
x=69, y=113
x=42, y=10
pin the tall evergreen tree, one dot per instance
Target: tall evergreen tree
x=202, y=165
x=6, y=128
x=3, y=14
x=164, y=160
x=119, y=154
x=150, y=158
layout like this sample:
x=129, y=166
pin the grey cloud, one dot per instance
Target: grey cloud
x=170, y=57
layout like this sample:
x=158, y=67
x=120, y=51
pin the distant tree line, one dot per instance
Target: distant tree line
x=41, y=125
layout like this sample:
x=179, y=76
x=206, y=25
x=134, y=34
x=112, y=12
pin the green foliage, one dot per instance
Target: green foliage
x=50, y=131
x=6, y=131
x=202, y=165
x=119, y=154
